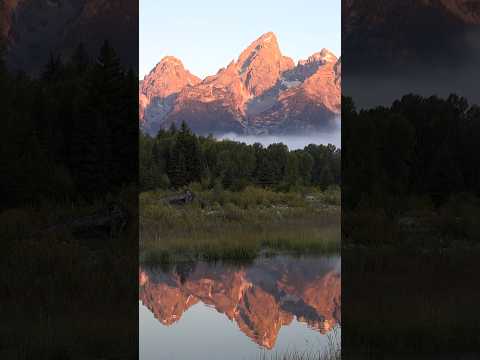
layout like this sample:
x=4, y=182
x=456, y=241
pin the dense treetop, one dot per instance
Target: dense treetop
x=70, y=133
x=178, y=157
x=416, y=147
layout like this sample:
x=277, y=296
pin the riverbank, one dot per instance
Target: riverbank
x=225, y=225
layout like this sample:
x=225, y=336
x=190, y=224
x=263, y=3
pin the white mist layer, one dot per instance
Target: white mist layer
x=293, y=142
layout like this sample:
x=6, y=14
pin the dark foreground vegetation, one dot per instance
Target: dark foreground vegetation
x=410, y=210
x=67, y=134
x=68, y=214
x=411, y=173
x=409, y=305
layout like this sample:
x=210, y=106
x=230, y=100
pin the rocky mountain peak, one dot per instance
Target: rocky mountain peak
x=170, y=61
x=266, y=46
x=168, y=77
x=261, y=92
x=261, y=64
x=159, y=89
x=321, y=57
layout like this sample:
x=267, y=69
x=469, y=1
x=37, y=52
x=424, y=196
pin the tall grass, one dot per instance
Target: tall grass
x=407, y=303
x=60, y=280
x=333, y=351
x=229, y=225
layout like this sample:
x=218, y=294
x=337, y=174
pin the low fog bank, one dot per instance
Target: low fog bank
x=293, y=142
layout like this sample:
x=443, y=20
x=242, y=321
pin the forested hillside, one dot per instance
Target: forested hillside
x=178, y=157
x=411, y=172
x=416, y=147
x=64, y=134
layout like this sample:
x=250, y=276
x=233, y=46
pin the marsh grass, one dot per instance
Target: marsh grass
x=332, y=351
x=58, y=280
x=415, y=223
x=408, y=303
x=236, y=226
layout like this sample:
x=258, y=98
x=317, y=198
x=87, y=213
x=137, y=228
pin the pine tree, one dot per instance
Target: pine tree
x=172, y=129
x=177, y=169
x=80, y=59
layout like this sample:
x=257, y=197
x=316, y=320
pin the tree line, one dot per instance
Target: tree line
x=177, y=157
x=71, y=132
x=419, y=146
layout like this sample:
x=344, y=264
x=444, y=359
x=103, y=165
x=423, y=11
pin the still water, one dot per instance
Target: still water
x=207, y=311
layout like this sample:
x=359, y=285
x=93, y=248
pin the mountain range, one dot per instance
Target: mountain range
x=388, y=34
x=259, y=299
x=34, y=29
x=262, y=92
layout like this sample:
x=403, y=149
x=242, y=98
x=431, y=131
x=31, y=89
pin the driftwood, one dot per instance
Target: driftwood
x=180, y=199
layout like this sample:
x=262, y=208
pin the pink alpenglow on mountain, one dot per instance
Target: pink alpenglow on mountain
x=260, y=300
x=158, y=90
x=262, y=92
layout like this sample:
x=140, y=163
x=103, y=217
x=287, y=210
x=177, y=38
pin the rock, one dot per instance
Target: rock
x=261, y=92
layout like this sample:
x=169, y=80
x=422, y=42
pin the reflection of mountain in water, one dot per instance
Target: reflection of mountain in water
x=260, y=298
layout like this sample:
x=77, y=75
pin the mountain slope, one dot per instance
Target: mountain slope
x=34, y=29
x=378, y=34
x=261, y=92
x=158, y=90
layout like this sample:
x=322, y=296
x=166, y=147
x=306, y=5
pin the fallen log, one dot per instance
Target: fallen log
x=108, y=221
x=180, y=199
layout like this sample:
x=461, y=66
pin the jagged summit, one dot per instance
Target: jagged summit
x=166, y=64
x=261, y=64
x=322, y=56
x=263, y=91
x=267, y=37
x=170, y=60
x=159, y=88
x=169, y=76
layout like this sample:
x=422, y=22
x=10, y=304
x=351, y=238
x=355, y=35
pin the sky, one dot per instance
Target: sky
x=207, y=35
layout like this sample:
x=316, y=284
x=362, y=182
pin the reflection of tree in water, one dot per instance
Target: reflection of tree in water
x=184, y=270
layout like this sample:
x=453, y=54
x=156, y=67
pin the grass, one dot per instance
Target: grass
x=57, y=282
x=403, y=303
x=333, y=351
x=416, y=224
x=237, y=225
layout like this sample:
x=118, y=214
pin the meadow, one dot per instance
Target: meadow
x=227, y=225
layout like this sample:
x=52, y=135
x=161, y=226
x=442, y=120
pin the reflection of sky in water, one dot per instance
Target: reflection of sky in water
x=204, y=334
x=240, y=300
x=293, y=142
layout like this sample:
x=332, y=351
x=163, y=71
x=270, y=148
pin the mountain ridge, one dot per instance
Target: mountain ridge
x=32, y=30
x=257, y=93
